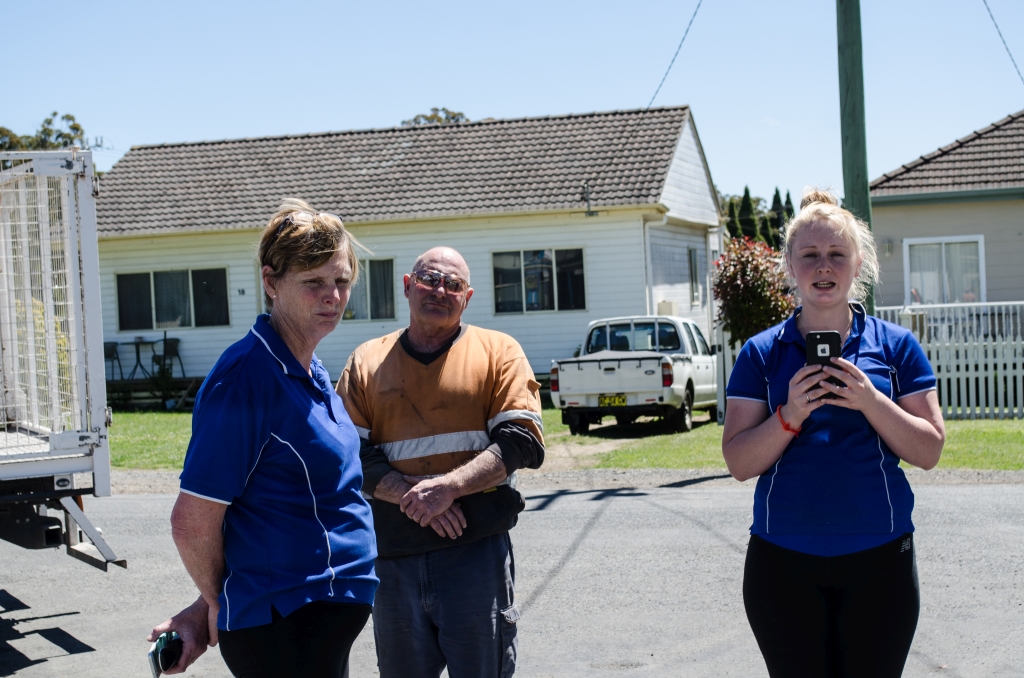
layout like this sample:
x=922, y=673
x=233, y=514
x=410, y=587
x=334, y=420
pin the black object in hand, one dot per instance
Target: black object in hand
x=165, y=653
x=821, y=348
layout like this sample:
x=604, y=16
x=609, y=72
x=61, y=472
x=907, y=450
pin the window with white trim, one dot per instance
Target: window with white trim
x=944, y=270
x=169, y=299
x=694, y=276
x=373, y=295
x=539, y=280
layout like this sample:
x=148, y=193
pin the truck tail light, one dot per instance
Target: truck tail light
x=554, y=380
x=666, y=374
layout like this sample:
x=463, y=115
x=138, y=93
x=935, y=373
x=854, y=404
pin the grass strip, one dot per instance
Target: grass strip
x=149, y=440
x=158, y=440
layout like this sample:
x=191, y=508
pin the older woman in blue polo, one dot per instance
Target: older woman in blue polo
x=830, y=583
x=270, y=522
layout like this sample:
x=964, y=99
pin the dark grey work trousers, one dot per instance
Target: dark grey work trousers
x=452, y=607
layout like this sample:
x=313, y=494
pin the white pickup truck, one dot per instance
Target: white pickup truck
x=637, y=366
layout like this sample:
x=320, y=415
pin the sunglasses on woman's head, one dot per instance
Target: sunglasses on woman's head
x=299, y=218
x=431, y=279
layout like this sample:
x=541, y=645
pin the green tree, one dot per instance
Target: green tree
x=437, y=116
x=55, y=132
x=790, y=212
x=733, y=224
x=64, y=133
x=9, y=141
x=778, y=211
x=750, y=289
x=767, y=232
x=747, y=216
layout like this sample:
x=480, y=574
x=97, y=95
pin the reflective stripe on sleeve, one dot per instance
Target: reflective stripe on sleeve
x=511, y=415
x=463, y=441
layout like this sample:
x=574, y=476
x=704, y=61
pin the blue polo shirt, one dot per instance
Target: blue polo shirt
x=838, y=481
x=278, y=447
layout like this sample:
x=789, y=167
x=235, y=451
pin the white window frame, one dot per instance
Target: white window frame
x=693, y=264
x=191, y=297
x=554, y=278
x=394, y=289
x=907, y=242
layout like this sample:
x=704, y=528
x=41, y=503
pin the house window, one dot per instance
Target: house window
x=539, y=280
x=944, y=270
x=694, y=276
x=373, y=295
x=169, y=299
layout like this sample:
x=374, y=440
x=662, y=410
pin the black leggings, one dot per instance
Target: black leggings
x=843, y=616
x=311, y=642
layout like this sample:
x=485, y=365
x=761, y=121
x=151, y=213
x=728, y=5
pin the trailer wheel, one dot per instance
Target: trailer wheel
x=713, y=413
x=681, y=420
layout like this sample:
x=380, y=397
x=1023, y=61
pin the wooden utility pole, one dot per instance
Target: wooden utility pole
x=856, y=184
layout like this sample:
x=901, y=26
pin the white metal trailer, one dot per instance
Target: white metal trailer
x=52, y=387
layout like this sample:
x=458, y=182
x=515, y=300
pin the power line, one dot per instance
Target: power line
x=586, y=184
x=670, y=64
x=994, y=23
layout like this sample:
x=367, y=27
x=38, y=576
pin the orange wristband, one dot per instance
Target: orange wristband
x=786, y=427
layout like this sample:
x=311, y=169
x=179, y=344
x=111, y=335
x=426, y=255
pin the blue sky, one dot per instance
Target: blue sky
x=761, y=76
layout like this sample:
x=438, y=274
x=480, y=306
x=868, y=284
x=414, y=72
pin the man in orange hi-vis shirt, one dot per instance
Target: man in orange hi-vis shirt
x=447, y=413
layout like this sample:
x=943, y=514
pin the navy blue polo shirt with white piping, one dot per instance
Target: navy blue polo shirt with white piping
x=838, y=479
x=278, y=447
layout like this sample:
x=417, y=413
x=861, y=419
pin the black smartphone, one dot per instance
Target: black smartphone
x=821, y=348
x=165, y=652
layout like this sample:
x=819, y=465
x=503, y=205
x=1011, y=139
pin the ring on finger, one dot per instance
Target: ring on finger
x=808, y=396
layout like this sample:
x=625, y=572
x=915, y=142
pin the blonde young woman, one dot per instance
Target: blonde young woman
x=830, y=583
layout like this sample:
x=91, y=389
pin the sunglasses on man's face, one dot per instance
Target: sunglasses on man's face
x=431, y=279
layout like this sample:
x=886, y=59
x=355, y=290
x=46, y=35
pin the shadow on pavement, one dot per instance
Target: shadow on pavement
x=11, y=659
x=599, y=495
x=694, y=481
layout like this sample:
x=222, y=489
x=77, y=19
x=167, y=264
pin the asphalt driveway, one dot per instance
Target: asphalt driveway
x=641, y=581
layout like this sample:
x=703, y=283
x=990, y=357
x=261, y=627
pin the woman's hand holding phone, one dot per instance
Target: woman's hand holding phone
x=804, y=395
x=857, y=394
x=192, y=624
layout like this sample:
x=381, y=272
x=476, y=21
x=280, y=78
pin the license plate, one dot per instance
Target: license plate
x=611, y=401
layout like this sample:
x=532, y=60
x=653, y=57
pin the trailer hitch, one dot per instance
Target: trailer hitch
x=98, y=553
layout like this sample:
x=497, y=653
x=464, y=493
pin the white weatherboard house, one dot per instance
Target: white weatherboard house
x=178, y=226
x=950, y=225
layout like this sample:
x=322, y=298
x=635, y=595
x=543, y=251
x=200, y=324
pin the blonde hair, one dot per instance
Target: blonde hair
x=820, y=206
x=299, y=236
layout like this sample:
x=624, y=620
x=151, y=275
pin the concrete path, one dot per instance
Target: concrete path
x=612, y=581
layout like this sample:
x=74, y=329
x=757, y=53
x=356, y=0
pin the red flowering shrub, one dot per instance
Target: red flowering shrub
x=750, y=289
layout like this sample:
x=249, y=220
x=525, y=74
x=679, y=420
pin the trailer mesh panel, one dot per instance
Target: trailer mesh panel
x=39, y=393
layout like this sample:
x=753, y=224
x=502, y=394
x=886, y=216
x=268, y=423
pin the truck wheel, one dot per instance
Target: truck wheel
x=624, y=419
x=681, y=420
x=580, y=427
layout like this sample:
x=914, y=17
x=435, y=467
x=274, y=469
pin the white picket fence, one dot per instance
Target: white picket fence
x=975, y=350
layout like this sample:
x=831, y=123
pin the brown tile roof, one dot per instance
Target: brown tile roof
x=523, y=165
x=990, y=158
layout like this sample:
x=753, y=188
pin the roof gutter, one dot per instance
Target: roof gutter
x=979, y=195
x=602, y=211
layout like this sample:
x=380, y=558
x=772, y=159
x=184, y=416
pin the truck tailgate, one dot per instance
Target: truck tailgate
x=610, y=372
